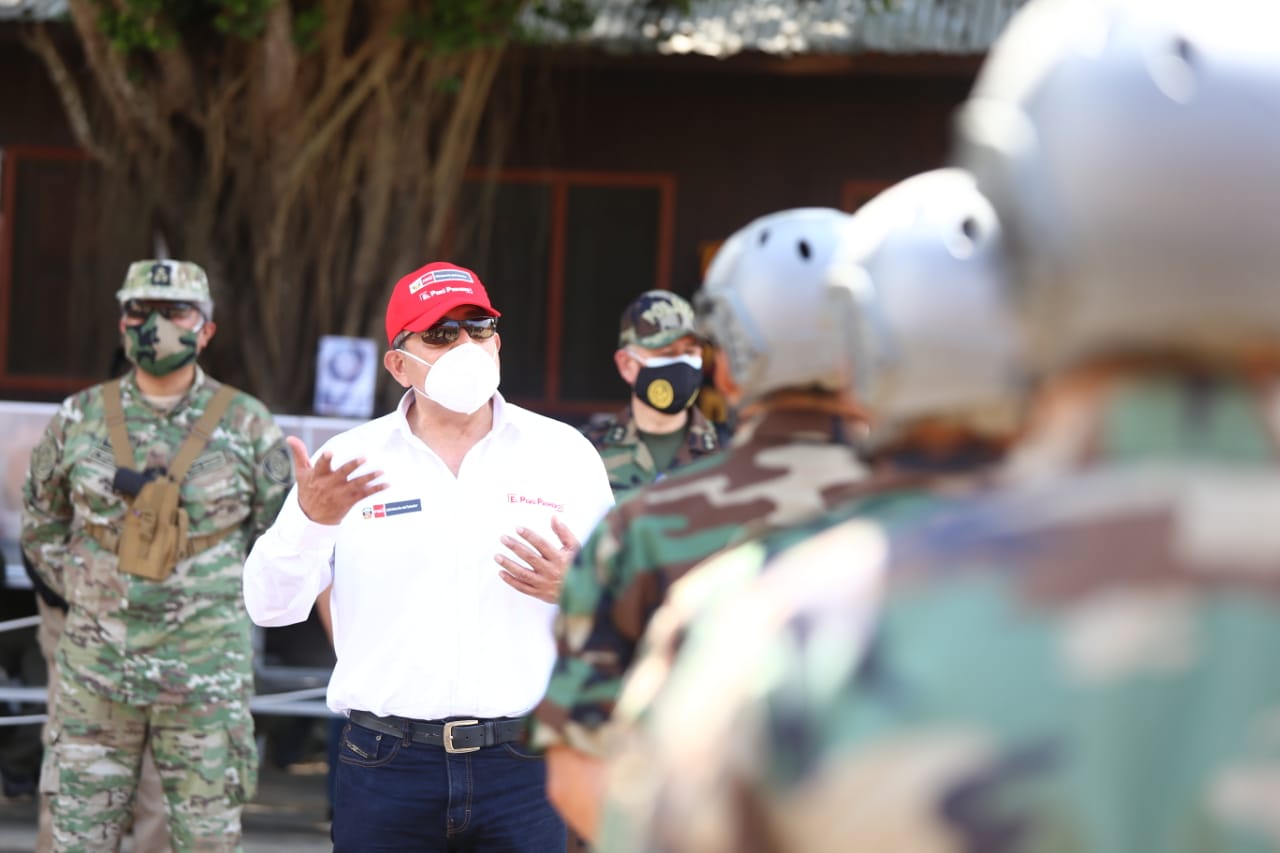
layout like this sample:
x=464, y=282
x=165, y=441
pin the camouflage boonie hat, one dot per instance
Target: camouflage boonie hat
x=178, y=281
x=656, y=318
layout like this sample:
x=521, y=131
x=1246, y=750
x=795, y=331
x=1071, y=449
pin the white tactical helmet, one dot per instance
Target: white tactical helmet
x=1130, y=150
x=931, y=247
x=786, y=306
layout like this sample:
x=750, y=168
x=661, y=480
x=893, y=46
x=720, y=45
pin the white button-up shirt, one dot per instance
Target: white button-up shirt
x=423, y=625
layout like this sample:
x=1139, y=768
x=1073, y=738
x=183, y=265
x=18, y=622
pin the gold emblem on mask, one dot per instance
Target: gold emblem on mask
x=661, y=394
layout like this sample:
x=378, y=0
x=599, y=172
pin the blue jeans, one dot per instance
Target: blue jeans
x=394, y=794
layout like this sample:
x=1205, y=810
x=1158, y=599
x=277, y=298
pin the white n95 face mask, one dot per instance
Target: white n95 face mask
x=462, y=380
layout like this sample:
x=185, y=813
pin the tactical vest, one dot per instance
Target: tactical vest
x=154, y=536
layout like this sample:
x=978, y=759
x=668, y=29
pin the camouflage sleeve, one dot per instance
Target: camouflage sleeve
x=768, y=673
x=47, y=509
x=273, y=473
x=590, y=655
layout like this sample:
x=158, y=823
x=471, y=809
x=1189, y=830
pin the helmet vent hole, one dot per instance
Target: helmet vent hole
x=1184, y=51
x=1174, y=70
x=805, y=251
x=962, y=244
x=764, y=236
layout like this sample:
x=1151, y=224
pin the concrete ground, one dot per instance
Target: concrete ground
x=288, y=815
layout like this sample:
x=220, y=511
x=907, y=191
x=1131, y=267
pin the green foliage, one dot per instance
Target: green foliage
x=243, y=19
x=439, y=26
x=307, y=24
x=137, y=26
x=450, y=85
x=459, y=25
x=574, y=15
x=151, y=26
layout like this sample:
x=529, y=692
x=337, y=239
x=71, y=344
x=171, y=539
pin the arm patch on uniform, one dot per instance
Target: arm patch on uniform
x=43, y=459
x=277, y=465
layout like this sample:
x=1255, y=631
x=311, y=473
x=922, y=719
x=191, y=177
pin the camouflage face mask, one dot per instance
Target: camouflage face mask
x=159, y=346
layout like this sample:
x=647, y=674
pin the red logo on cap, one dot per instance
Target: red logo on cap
x=425, y=295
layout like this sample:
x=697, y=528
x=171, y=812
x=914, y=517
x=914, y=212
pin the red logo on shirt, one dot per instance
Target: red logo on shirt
x=522, y=499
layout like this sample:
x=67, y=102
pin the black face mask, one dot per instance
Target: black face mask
x=671, y=386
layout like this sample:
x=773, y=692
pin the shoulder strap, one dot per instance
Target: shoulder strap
x=114, y=411
x=200, y=433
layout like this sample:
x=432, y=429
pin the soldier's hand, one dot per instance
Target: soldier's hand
x=546, y=563
x=326, y=494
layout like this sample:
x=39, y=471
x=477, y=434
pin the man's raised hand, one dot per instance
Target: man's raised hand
x=326, y=494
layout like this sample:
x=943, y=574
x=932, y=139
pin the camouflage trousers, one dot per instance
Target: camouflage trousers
x=205, y=755
x=150, y=820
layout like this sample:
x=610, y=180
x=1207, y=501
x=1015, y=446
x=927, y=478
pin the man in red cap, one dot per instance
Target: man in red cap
x=440, y=652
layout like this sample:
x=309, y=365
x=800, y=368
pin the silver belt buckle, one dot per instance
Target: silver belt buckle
x=448, y=736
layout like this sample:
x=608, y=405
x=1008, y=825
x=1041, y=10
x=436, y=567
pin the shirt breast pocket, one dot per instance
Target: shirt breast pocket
x=533, y=510
x=216, y=492
x=381, y=538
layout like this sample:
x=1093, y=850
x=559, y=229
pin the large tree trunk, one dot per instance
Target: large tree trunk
x=306, y=181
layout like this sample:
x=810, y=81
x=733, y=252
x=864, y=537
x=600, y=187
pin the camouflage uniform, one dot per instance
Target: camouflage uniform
x=1076, y=662
x=171, y=660
x=626, y=457
x=654, y=319
x=784, y=468
x=891, y=498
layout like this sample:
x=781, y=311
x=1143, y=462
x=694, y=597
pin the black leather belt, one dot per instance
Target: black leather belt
x=454, y=735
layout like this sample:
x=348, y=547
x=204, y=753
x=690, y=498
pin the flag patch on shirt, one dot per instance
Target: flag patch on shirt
x=394, y=508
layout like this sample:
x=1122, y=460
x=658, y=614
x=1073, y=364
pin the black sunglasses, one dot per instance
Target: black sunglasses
x=447, y=331
x=137, y=310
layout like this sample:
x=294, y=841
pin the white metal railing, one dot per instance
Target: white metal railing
x=305, y=702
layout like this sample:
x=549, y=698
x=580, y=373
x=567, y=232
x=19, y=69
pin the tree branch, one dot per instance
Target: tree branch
x=455, y=150
x=279, y=62
x=39, y=43
x=337, y=17
x=177, y=89
x=131, y=109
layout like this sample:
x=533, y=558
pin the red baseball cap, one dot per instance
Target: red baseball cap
x=425, y=295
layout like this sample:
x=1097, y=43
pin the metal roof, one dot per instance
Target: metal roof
x=725, y=27
x=788, y=27
x=20, y=10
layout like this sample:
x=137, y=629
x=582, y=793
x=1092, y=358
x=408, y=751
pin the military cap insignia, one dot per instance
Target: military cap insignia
x=160, y=275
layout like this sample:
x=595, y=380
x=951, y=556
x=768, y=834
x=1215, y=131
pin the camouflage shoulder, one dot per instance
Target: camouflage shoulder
x=242, y=401
x=639, y=503
x=704, y=436
x=682, y=477
x=85, y=404
x=254, y=408
x=602, y=432
x=249, y=413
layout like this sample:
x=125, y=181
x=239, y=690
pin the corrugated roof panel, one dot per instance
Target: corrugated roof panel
x=785, y=27
x=725, y=27
x=34, y=10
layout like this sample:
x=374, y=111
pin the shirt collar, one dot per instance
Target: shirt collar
x=505, y=415
x=129, y=388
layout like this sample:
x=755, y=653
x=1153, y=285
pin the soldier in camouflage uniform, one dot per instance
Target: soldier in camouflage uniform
x=1079, y=661
x=943, y=387
x=660, y=357
x=780, y=304
x=144, y=664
